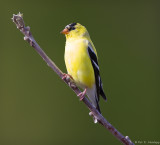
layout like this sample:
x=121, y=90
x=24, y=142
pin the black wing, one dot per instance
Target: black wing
x=98, y=80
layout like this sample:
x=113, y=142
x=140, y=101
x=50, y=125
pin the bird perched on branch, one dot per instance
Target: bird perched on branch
x=82, y=63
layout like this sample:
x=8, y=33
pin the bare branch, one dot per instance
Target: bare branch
x=18, y=20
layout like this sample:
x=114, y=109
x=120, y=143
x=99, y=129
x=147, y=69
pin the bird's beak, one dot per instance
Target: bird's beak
x=65, y=31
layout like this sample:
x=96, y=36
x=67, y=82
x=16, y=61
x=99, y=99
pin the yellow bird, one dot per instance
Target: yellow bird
x=82, y=63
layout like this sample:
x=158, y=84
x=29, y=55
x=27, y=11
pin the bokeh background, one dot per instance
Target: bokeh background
x=37, y=108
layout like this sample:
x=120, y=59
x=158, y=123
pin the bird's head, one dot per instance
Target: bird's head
x=75, y=30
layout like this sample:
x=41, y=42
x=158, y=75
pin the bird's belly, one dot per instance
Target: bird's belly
x=79, y=66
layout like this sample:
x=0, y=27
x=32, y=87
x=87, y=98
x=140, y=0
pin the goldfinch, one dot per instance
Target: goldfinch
x=82, y=63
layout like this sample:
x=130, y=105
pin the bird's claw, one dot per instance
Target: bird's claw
x=72, y=85
x=82, y=95
x=67, y=77
x=69, y=80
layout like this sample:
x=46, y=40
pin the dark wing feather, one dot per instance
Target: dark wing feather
x=98, y=80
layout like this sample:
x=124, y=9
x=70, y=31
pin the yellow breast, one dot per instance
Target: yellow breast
x=78, y=63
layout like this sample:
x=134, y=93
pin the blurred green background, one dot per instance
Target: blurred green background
x=37, y=108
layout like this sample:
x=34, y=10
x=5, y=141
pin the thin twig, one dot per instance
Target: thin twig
x=18, y=20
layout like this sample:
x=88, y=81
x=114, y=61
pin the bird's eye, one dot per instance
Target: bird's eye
x=71, y=26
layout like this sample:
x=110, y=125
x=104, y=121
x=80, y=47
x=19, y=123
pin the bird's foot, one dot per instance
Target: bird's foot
x=82, y=94
x=67, y=77
x=69, y=80
x=72, y=85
